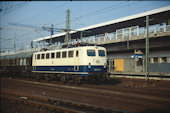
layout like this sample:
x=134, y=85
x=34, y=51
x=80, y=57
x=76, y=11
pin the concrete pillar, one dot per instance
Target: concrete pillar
x=130, y=32
x=151, y=60
x=160, y=60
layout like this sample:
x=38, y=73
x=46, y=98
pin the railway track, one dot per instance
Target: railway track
x=124, y=100
x=58, y=105
x=100, y=91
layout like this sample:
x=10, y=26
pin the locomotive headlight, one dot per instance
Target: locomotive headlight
x=105, y=65
x=89, y=66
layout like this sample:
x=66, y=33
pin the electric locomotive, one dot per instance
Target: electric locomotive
x=87, y=62
x=75, y=63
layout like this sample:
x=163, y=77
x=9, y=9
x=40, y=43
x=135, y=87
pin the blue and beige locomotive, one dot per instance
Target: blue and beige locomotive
x=75, y=64
x=87, y=62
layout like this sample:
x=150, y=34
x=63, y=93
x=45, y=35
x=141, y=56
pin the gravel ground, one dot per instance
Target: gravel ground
x=155, y=89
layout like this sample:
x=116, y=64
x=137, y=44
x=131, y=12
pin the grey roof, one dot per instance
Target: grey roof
x=21, y=55
x=137, y=19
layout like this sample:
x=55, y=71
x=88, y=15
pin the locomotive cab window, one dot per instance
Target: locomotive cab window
x=38, y=56
x=47, y=55
x=58, y=55
x=64, y=54
x=101, y=53
x=91, y=52
x=52, y=55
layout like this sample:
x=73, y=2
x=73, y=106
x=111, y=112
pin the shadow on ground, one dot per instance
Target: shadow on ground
x=113, y=81
x=156, y=110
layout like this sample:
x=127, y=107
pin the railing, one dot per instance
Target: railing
x=129, y=33
x=20, y=51
x=121, y=34
x=126, y=34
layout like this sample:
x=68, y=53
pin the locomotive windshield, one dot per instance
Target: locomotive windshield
x=101, y=53
x=91, y=52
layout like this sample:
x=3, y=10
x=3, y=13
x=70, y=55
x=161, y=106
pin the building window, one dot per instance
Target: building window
x=164, y=59
x=155, y=60
x=58, y=55
x=139, y=62
x=20, y=62
x=47, y=55
x=42, y=56
x=70, y=54
x=38, y=56
x=64, y=55
x=24, y=62
x=52, y=55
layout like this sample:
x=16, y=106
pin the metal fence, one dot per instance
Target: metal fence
x=125, y=34
x=128, y=34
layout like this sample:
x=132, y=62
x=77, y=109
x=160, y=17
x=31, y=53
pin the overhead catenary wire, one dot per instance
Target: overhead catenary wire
x=108, y=16
x=57, y=17
x=12, y=8
x=84, y=18
x=125, y=5
x=103, y=9
x=45, y=12
x=76, y=18
x=90, y=13
x=93, y=13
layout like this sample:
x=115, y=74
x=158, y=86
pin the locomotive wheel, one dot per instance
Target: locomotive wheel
x=77, y=80
x=63, y=78
x=47, y=78
x=37, y=77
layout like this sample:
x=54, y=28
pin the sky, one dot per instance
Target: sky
x=44, y=13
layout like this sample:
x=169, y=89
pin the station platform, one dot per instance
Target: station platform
x=141, y=75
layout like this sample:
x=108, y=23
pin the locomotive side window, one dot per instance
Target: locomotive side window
x=38, y=56
x=52, y=55
x=58, y=55
x=77, y=53
x=101, y=53
x=91, y=52
x=70, y=54
x=42, y=56
x=47, y=55
x=64, y=54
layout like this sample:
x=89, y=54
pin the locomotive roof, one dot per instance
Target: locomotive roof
x=72, y=48
x=20, y=55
